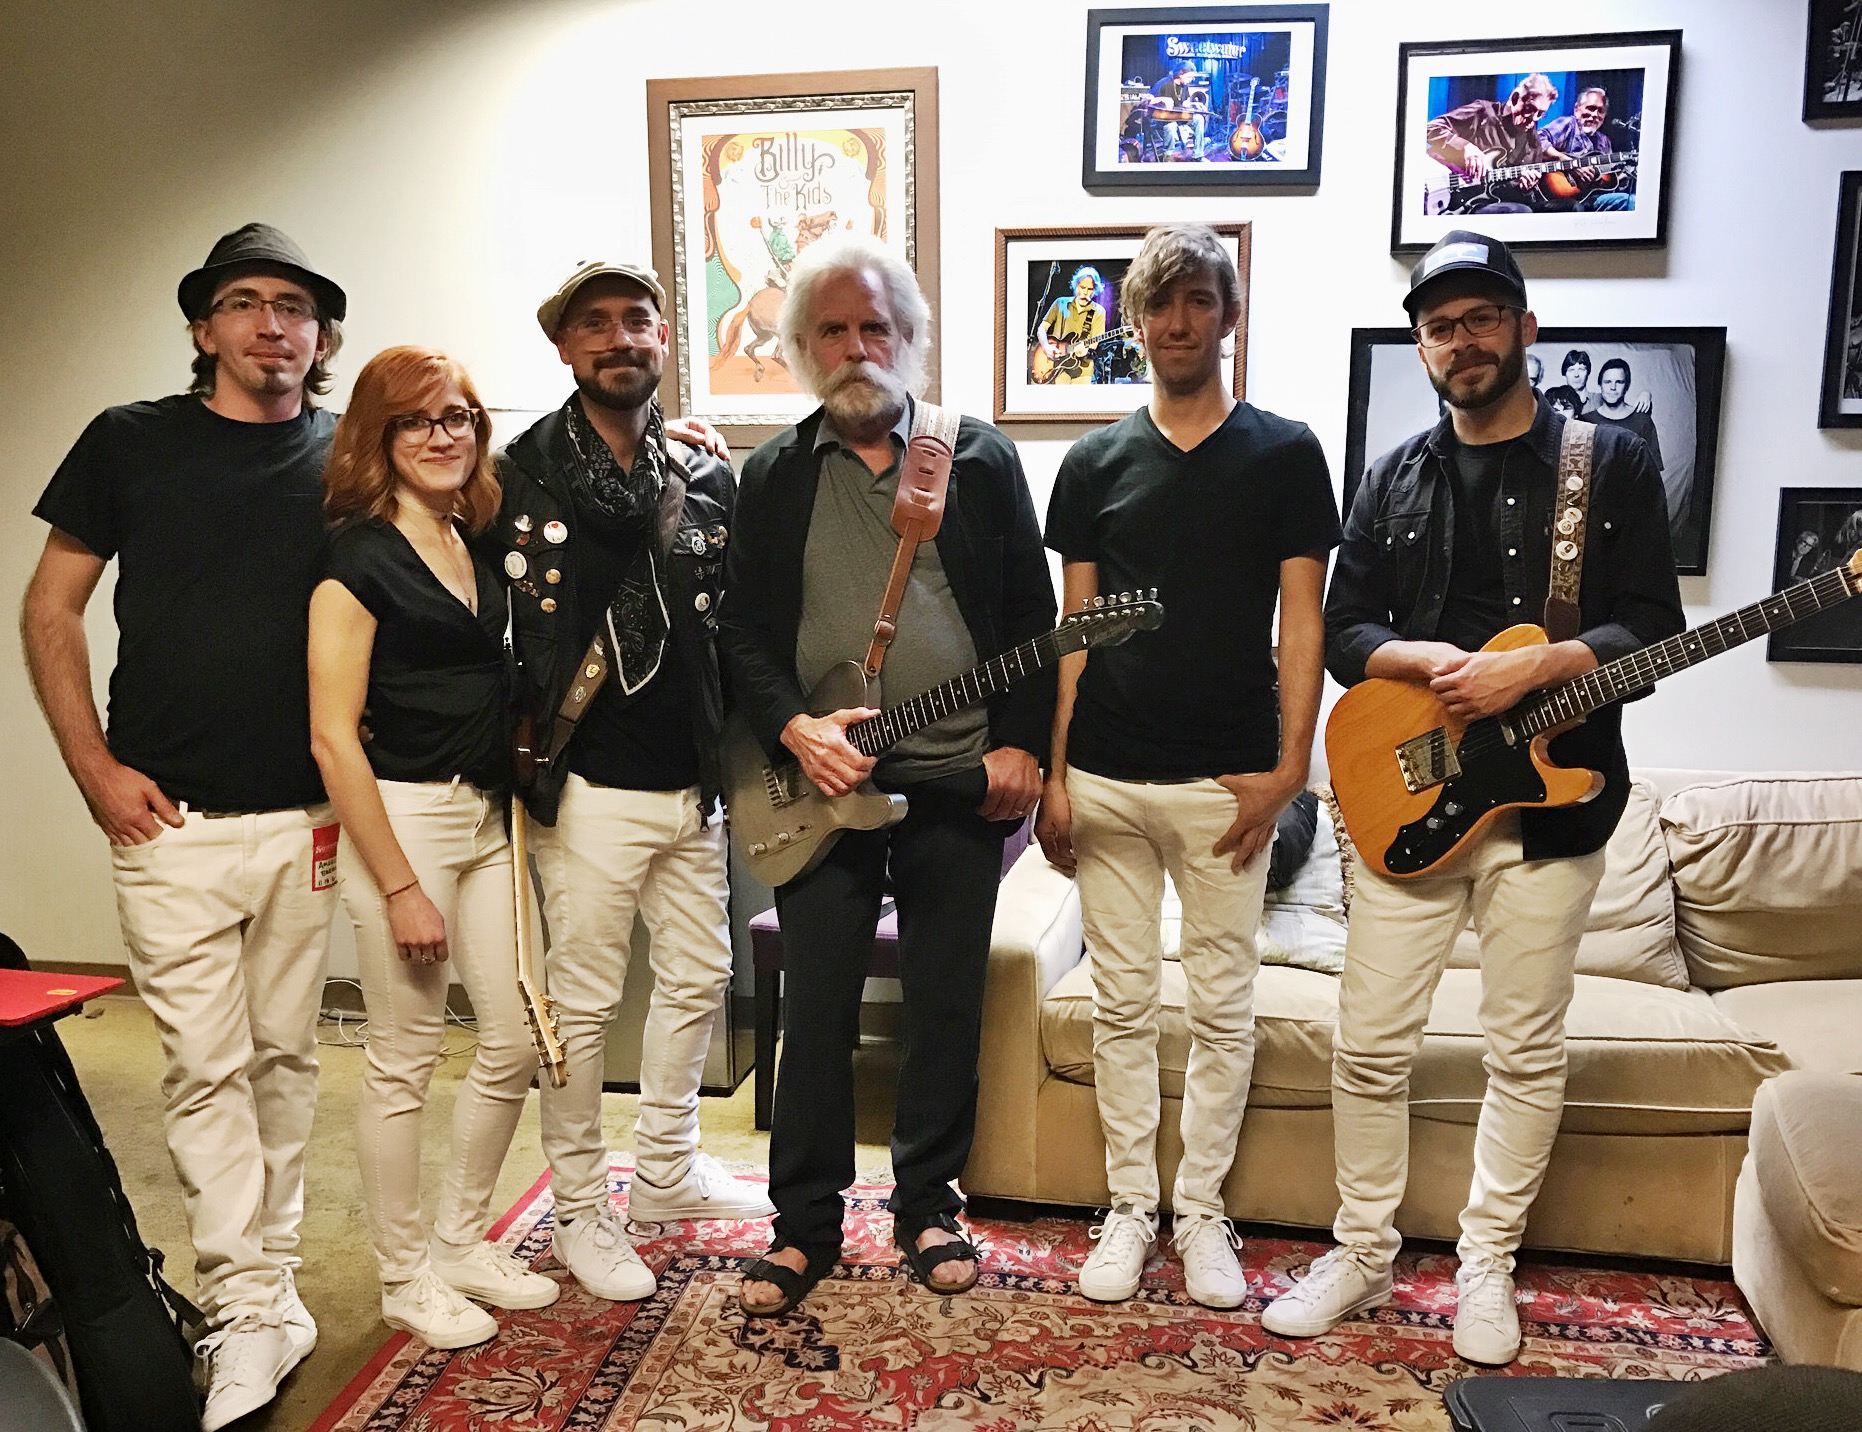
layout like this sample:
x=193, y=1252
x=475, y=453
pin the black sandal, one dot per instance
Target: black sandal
x=792, y=1285
x=920, y=1261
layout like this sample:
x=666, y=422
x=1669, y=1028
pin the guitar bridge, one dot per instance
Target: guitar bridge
x=776, y=783
x=1427, y=761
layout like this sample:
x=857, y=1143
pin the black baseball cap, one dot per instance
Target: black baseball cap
x=255, y=248
x=1462, y=251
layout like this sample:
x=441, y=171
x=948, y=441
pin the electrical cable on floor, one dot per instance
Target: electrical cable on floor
x=352, y=1026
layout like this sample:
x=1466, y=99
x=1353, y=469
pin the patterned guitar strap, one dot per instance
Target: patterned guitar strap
x=1570, y=518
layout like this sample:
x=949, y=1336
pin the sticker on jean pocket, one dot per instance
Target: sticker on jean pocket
x=323, y=856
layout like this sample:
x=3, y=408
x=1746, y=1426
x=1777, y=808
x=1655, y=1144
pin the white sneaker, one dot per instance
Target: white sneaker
x=1211, y=1272
x=595, y=1248
x=434, y=1313
x=1337, y=1286
x=299, y=1325
x=489, y=1273
x=1486, y=1315
x=1114, y=1267
x=243, y=1364
x=706, y=1191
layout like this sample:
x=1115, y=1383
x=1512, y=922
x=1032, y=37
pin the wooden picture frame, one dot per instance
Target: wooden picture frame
x=1099, y=376
x=744, y=171
x=1680, y=370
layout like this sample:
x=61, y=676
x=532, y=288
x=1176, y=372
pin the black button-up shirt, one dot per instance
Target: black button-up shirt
x=1391, y=582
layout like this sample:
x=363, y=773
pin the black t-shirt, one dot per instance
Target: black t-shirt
x=217, y=528
x=437, y=693
x=1475, y=608
x=642, y=742
x=1209, y=529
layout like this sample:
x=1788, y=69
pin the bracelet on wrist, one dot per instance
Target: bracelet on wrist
x=402, y=889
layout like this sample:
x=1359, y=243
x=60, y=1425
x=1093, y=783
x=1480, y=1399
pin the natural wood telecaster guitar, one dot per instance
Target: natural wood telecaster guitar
x=782, y=822
x=1415, y=784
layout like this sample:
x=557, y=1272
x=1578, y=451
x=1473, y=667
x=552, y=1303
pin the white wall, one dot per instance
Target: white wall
x=448, y=161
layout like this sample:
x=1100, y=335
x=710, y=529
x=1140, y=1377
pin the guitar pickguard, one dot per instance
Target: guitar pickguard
x=1491, y=776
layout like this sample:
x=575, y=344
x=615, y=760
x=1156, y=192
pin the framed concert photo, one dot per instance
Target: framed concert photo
x=1841, y=406
x=1663, y=384
x=1833, y=60
x=1551, y=143
x=1819, y=529
x=748, y=170
x=1067, y=351
x=1204, y=97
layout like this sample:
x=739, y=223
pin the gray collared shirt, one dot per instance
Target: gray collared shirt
x=849, y=553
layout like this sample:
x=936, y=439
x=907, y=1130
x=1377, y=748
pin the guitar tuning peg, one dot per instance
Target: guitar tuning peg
x=1099, y=601
x=1154, y=594
x=1124, y=596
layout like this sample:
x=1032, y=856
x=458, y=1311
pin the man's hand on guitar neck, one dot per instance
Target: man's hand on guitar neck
x=1473, y=684
x=827, y=757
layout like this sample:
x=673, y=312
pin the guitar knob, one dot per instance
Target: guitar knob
x=1433, y=823
x=782, y=837
x=759, y=847
x=1451, y=808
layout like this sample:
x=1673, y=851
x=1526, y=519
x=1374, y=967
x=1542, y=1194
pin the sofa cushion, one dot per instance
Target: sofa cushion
x=1294, y=1011
x=1768, y=878
x=1643, y=1060
x=1815, y=1022
x=1806, y=1149
x=1631, y=931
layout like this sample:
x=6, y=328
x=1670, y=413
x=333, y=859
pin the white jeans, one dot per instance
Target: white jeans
x=227, y=922
x=453, y=835
x=613, y=853
x=1529, y=916
x=1126, y=835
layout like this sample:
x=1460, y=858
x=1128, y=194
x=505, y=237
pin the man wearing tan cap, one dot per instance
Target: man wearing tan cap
x=608, y=530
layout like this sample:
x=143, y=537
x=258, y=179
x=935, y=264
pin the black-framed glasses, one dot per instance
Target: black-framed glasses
x=418, y=427
x=1480, y=320
x=288, y=309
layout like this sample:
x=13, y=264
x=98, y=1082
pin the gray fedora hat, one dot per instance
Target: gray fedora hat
x=256, y=247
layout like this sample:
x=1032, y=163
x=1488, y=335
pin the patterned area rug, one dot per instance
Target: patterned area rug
x=1022, y=1352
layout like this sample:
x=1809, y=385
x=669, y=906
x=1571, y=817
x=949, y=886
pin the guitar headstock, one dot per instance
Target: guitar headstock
x=1112, y=619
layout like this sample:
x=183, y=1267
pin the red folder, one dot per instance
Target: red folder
x=30, y=995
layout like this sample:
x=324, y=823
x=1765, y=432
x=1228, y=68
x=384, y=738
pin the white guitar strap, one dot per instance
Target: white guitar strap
x=1570, y=521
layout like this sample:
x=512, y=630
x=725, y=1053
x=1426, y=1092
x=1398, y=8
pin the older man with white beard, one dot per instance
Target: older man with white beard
x=807, y=566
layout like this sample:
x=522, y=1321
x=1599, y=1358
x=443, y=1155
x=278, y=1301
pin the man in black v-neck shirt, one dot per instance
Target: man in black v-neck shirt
x=1449, y=542
x=1177, y=750
x=222, y=846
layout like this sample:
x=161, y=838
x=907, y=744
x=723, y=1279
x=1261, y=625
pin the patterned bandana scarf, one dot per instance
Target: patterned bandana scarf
x=627, y=500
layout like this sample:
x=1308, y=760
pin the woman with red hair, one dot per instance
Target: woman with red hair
x=407, y=639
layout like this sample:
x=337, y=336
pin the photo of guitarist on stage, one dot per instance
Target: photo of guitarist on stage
x=1081, y=337
x=1525, y=153
x=1449, y=548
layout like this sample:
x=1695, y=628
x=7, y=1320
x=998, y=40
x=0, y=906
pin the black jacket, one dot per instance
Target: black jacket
x=1391, y=580
x=989, y=543
x=694, y=525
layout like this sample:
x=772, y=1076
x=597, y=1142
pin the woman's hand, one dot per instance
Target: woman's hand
x=417, y=926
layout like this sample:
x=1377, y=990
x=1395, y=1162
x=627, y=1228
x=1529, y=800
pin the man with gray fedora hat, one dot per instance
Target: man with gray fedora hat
x=1449, y=541
x=223, y=847
x=611, y=532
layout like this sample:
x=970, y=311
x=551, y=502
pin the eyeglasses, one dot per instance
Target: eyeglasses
x=592, y=327
x=287, y=309
x=1479, y=321
x=418, y=427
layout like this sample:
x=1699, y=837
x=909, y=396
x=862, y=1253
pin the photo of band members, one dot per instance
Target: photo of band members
x=1218, y=98
x=1532, y=143
x=1076, y=332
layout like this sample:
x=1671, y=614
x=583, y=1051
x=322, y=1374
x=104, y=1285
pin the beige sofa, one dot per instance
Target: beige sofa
x=1725, y=947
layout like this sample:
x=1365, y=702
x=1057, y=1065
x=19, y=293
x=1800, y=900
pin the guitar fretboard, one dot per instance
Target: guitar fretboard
x=1602, y=163
x=1643, y=668
x=875, y=735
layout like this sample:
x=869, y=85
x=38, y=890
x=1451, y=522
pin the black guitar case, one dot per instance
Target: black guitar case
x=1555, y=1404
x=60, y=1188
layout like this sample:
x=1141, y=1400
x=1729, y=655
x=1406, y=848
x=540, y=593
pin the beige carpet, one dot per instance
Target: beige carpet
x=118, y=1059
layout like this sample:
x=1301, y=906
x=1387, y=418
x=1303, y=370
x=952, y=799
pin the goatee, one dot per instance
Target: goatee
x=622, y=388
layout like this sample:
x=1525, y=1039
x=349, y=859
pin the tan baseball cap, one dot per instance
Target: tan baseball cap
x=549, y=313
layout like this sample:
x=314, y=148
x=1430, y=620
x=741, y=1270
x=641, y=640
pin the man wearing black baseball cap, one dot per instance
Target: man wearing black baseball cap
x=223, y=847
x=1449, y=541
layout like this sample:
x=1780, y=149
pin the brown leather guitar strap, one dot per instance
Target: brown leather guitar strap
x=1570, y=519
x=589, y=677
x=917, y=513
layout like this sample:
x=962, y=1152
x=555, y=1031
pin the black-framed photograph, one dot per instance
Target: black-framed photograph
x=1841, y=405
x=1204, y=97
x=1066, y=349
x=1819, y=529
x=1560, y=142
x=1663, y=384
x=1833, y=60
